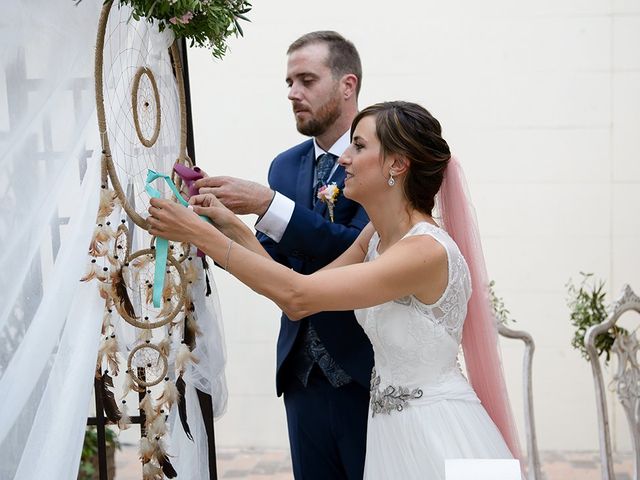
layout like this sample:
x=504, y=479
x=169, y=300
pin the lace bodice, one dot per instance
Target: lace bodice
x=416, y=345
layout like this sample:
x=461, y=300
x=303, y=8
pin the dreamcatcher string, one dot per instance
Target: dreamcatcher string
x=162, y=244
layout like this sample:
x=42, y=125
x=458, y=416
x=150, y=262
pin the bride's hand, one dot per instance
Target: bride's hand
x=172, y=221
x=223, y=219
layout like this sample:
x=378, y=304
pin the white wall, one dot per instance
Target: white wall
x=540, y=100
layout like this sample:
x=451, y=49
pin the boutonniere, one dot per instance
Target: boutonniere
x=328, y=194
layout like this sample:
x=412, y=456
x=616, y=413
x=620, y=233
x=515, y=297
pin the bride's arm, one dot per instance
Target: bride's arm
x=227, y=222
x=415, y=265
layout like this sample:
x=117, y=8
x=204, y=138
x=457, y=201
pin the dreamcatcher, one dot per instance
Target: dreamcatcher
x=150, y=314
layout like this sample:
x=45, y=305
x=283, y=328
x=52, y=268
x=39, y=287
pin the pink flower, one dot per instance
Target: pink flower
x=328, y=194
x=184, y=19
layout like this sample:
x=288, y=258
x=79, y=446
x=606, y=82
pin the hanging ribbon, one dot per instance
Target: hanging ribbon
x=162, y=244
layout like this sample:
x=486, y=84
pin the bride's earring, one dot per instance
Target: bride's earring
x=391, y=181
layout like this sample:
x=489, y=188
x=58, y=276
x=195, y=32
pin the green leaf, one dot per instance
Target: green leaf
x=586, y=302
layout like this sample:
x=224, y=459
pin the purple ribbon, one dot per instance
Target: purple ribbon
x=189, y=176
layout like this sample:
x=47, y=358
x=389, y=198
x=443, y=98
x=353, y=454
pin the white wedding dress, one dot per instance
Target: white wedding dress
x=422, y=409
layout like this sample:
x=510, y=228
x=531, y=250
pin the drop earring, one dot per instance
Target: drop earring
x=392, y=181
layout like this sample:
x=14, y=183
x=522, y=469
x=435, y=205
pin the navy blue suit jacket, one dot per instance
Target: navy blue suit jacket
x=310, y=242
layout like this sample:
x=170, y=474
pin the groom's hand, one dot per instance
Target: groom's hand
x=240, y=196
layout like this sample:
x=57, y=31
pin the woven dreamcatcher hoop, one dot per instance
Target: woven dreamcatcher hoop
x=146, y=104
x=136, y=271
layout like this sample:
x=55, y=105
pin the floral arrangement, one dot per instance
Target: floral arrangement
x=205, y=23
x=328, y=194
x=586, y=302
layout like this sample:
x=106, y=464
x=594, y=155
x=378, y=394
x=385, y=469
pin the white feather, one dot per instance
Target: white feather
x=184, y=356
x=169, y=395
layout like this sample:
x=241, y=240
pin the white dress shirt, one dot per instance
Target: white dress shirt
x=276, y=219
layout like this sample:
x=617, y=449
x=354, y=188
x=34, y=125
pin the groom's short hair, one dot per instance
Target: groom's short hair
x=343, y=57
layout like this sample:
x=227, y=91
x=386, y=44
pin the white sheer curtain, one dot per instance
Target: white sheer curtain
x=49, y=188
x=49, y=321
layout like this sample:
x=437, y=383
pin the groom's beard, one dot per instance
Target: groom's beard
x=327, y=114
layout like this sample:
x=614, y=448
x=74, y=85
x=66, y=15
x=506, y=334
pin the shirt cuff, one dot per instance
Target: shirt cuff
x=276, y=219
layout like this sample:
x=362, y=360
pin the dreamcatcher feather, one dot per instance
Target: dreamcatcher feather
x=142, y=122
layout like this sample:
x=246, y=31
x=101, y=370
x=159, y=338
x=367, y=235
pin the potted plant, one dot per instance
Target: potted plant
x=89, y=458
x=586, y=302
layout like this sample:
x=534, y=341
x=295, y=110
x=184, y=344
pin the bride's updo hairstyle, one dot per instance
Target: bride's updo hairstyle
x=408, y=129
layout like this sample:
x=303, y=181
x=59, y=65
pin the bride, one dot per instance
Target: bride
x=416, y=293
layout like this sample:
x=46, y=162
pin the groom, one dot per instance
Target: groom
x=324, y=361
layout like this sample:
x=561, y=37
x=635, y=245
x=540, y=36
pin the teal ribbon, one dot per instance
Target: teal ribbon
x=162, y=244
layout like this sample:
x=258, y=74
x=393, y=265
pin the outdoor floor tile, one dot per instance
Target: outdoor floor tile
x=258, y=464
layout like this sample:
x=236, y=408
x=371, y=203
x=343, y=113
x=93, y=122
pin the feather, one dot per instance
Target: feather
x=112, y=363
x=142, y=261
x=166, y=466
x=177, y=322
x=183, y=357
x=125, y=420
x=122, y=293
x=96, y=248
x=106, y=322
x=169, y=287
x=115, y=260
x=151, y=471
x=107, y=202
x=129, y=384
x=146, y=450
x=191, y=274
x=103, y=232
x=111, y=354
x=108, y=399
x=157, y=427
x=186, y=249
x=138, y=265
x=191, y=330
x=167, y=308
x=91, y=272
x=146, y=405
x=165, y=346
x=105, y=293
x=182, y=407
x=170, y=393
x=205, y=267
x=149, y=293
x=108, y=347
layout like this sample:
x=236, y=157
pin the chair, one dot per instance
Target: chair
x=533, y=456
x=626, y=380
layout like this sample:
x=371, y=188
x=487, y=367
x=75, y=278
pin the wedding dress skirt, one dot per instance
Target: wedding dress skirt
x=423, y=411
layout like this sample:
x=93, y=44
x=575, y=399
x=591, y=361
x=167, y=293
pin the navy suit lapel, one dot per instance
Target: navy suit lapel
x=305, y=178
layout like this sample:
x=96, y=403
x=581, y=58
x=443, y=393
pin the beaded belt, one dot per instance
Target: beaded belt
x=391, y=398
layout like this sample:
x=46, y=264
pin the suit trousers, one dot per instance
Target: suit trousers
x=327, y=428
